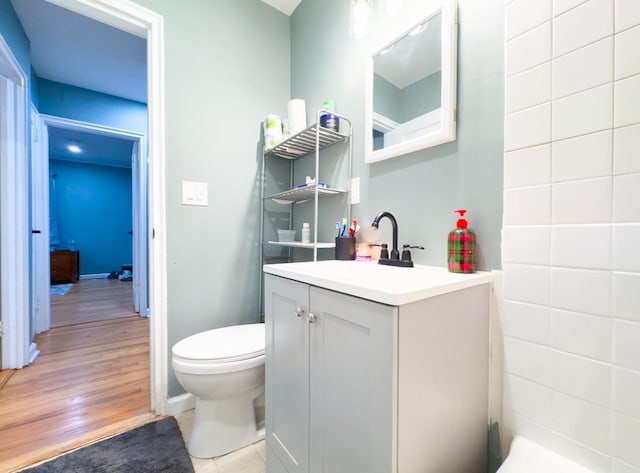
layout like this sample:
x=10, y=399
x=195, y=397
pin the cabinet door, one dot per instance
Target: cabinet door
x=353, y=383
x=287, y=374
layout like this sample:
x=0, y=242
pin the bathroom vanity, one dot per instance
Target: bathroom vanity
x=375, y=369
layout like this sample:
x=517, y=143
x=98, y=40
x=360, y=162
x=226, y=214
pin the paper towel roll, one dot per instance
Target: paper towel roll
x=297, y=115
x=526, y=456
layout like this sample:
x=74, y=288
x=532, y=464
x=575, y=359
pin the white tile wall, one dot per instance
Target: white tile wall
x=527, y=321
x=626, y=296
x=582, y=201
x=571, y=237
x=581, y=246
x=528, y=127
x=627, y=57
x=627, y=14
x=528, y=399
x=626, y=432
x=527, y=167
x=582, y=157
x=527, y=360
x=626, y=349
x=626, y=198
x=561, y=6
x=518, y=287
x=527, y=205
x=584, y=112
x=626, y=383
x=626, y=250
x=627, y=101
x=528, y=88
x=586, y=291
x=626, y=143
x=536, y=239
x=583, y=68
x=585, y=24
x=582, y=378
x=529, y=49
x=523, y=15
x=595, y=338
x=621, y=467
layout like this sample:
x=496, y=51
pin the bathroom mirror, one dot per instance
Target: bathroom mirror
x=410, y=87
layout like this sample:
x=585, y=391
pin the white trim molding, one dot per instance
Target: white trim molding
x=14, y=202
x=133, y=18
x=179, y=404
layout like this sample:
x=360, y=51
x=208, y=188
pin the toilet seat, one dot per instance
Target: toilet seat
x=221, y=350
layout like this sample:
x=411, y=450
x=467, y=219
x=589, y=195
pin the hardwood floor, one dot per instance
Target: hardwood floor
x=90, y=381
x=92, y=299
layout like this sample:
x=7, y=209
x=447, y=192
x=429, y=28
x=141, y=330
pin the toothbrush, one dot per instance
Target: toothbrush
x=353, y=228
x=338, y=227
x=344, y=227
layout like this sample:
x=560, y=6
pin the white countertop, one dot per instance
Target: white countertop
x=385, y=284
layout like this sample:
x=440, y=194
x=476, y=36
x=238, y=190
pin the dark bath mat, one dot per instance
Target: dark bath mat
x=153, y=448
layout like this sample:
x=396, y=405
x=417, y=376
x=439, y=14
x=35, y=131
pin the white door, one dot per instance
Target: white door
x=40, y=261
x=140, y=228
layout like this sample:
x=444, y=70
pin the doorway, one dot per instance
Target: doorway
x=144, y=23
x=97, y=206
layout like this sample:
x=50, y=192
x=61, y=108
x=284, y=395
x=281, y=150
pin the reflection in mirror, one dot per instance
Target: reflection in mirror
x=406, y=86
x=411, y=89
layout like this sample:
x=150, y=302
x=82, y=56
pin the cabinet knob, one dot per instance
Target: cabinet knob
x=311, y=318
x=299, y=312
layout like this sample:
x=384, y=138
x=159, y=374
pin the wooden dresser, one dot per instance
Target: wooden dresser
x=65, y=266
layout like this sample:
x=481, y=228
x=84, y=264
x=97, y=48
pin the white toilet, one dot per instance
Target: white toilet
x=224, y=370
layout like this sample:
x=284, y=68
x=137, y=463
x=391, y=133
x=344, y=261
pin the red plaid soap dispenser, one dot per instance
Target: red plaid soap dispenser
x=461, y=247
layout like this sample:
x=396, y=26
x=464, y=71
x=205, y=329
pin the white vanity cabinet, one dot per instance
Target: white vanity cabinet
x=355, y=385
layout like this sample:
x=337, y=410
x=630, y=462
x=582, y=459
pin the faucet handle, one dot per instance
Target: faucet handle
x=406, y=254
x=384, y=249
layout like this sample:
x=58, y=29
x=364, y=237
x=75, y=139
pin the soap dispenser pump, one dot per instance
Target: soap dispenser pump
x=461, y=247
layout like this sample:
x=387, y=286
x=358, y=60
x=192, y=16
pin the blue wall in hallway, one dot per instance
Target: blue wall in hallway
x=93, y=208
x=62, y=100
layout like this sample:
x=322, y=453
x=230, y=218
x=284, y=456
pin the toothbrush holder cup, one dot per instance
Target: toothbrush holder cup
x=346, y=248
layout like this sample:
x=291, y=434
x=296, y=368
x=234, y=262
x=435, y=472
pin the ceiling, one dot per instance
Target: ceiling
x=285, y=6
x=72, y=49
x=96, y=148
x=69, y=48
x=412, y=57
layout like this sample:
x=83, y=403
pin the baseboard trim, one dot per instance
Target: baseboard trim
x=33, y=352
x=94, y=276
x=179, y=404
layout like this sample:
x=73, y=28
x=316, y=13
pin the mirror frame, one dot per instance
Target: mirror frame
x=448, y=90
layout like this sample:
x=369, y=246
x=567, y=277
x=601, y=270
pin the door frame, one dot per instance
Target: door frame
x=140, y=21
x=14, y=202
x=139, y=198
x=40, y=231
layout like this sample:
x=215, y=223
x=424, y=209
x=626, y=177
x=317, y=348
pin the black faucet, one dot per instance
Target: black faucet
x=394, y=258
x=395, y=254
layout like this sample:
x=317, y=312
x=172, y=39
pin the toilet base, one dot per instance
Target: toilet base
x=223, y=425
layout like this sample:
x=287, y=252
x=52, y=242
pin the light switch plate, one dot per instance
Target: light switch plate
x=195, y=193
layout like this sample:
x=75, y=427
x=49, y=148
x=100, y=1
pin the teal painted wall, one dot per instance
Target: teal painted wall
x=104, y=194
x=227, y=67
x=402, y=105
x=15, y=37
x=423, y=188
x=67, y=101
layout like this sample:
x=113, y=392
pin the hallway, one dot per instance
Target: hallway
x=90, y=381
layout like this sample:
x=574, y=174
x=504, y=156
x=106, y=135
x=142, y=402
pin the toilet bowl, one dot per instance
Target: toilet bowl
x=224, y=370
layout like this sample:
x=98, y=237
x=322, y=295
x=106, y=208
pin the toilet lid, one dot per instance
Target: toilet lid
x=238, y=342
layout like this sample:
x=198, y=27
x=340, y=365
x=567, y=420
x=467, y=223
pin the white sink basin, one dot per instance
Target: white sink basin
x=385, y=284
